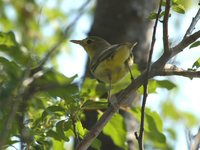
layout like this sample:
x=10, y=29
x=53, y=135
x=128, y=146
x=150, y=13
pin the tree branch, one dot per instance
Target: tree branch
x=195, y=142
x=192, y=25
x=145, y=86
x=165, y=27
x=184, y=43
x=171, y=70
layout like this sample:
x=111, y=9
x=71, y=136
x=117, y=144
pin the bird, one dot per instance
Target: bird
x=108, y=63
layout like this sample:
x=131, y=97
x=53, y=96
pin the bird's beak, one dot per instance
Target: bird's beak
x=76, y=41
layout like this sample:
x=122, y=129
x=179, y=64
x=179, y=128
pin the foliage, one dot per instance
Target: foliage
x=44, y=109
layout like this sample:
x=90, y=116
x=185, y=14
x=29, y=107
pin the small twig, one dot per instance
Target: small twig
x=195, y=142
x=165, y=27
x=173, y=70
x=145, y=86
x=192, y=25
x=66, y=34
x=80, y=13
x=184, y=43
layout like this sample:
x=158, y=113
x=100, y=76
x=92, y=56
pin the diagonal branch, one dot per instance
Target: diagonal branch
x=185, y=42
x=192, y=25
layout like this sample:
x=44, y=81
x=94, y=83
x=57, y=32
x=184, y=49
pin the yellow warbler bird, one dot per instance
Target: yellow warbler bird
x=108, y=63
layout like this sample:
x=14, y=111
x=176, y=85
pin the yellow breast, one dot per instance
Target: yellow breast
x=113, y=69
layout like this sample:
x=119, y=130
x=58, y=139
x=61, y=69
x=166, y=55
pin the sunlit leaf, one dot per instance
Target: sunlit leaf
x=79, y=128
x=179, y=9
x=58, y=144
x=115, y=128
x=169, y=110
x=88, y=87
x=152, y=86
x=196, y=64
x=152, y=125
x=172, y=133
x=7, y=40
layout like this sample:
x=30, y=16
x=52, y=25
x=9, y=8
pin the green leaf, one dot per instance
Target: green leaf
x=179, y=9
x=7, y=40
x=101, y=89
x=94, y=105
x=172, y=133
x=88, y=87
x=152, y=125
x=10, y=47
x=52, y=110
x=195, y=44
x=152, y=86
x=115, y=128
x=96, y=144
x=56, y=84
x=152, y=15
x=166, y=84
x=60, y=127
x=190, y=119
x=58, y=144
x=53, y=134
x=170, y=111
x=196, y=64
x=10, y=68
x=79, y=128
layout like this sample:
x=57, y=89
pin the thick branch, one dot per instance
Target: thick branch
x=195, y=142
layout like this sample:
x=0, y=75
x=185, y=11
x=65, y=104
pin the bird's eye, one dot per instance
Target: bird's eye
x=89, y=41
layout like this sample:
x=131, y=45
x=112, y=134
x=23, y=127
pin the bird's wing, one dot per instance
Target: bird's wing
x=109, y=52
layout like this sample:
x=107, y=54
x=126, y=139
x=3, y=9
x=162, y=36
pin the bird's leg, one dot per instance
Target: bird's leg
x=129, y=69
x=109, y=89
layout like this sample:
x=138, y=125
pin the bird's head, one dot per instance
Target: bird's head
x=93, y=45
